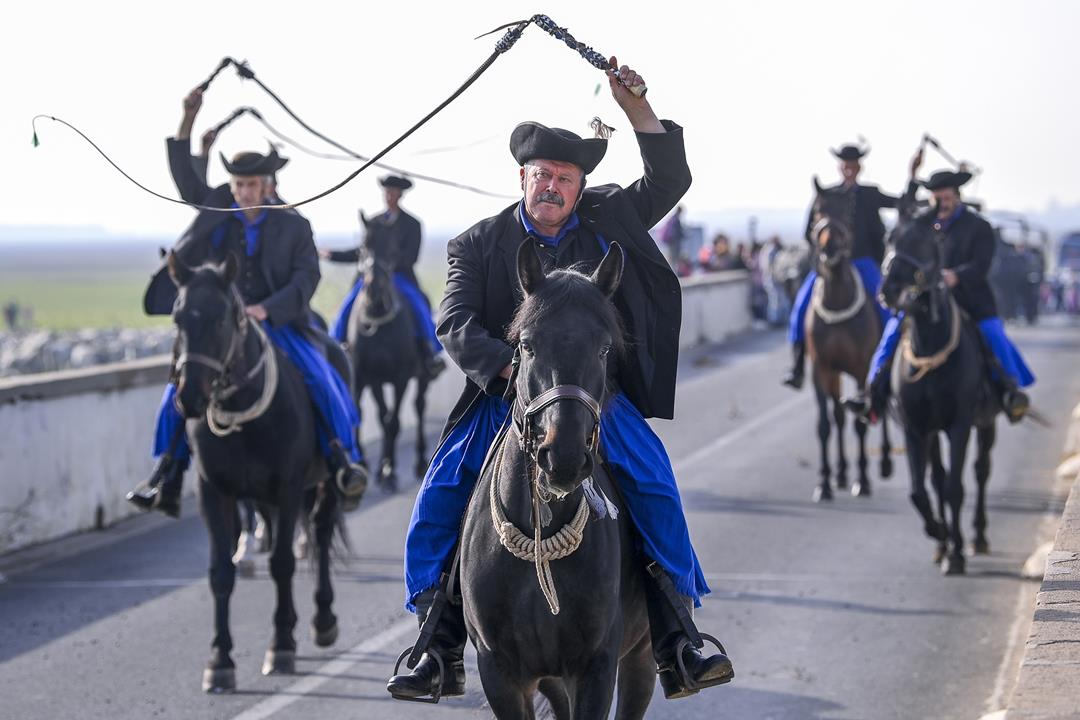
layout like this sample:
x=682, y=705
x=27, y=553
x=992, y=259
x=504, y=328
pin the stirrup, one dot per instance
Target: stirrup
x=680, y=667
x=437, y=694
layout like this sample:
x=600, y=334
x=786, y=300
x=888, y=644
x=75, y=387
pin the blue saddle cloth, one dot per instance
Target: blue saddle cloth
x=869, y=272
x=637, y=458
x=425, y=326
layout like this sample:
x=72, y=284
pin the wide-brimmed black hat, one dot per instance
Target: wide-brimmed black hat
x=850, y=152
x=533, y=141
x=395, y=181
x=253, y=163
x=946, y=179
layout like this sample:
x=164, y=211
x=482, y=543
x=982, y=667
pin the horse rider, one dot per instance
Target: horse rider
x=278, y=273
x=867, y=252
x=967, y=251
x=568, y=225
x=405, y=231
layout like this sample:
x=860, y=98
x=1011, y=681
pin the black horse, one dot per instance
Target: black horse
x=842, y=331
x=941, y=385
x=382, y=335
x=231, y=378
x=587, y=621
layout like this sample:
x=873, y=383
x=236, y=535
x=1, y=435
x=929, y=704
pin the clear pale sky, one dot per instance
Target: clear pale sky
x=762, y=88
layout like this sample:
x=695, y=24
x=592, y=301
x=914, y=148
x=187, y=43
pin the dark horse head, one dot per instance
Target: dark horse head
x=567, y=331
x=211, y=325
x=912, y=271
x=832, y=234
x=379, y=255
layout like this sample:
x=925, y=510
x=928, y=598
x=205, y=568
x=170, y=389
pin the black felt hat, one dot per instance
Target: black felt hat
x=946, y=179
x=533, y=141
x=253, y=163
x=395, y=181
x=850, y=152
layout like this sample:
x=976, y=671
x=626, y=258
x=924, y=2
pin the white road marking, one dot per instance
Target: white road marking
x=104, y=584
x=328, y=671
x=738, y=433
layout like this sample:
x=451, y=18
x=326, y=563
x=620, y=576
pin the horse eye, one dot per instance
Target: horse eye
x=526, y=348
x=605, y=351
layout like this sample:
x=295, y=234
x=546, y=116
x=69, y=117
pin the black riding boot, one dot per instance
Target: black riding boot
x=794, y=377
x=675, y=639
x=871, y=404
x=351, y=479
x=1014, y=401
x=448, y=641
x=162, y=491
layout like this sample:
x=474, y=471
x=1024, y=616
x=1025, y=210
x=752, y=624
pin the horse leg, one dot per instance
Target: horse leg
x=324, y=626
x=917, y=446
x=937, y=480
x=420, y=404
x=390, y=436
x=953, y=564
x=554, y=690
x=385, y=464
x=219, y=513
x=861, y=488
x=508, y=701
x=886, y=449
x=281, y=655
x=823, y=491
x=636, y=681
x=985, y=437
x=838, y=421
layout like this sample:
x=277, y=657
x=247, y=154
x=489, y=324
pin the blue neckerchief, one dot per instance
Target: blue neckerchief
x=251, y=228
x=944, y=225
x=571, y=223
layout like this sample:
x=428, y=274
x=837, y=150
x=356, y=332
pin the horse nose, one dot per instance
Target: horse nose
x=567, y=468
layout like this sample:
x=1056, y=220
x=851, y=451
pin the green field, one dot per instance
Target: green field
x=100, y=285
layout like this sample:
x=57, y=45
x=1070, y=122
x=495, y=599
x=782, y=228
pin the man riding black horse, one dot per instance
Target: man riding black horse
x=404, y=230
x=278, y=273
x=570, y=226
x=865, y=203
x=967, y=245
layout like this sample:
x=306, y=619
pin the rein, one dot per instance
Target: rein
x=925, y=364
x=367, y=325
x=833, y=317
x=541, y=551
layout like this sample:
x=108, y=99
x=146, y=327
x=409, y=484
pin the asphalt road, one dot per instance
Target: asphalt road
x=829, y=611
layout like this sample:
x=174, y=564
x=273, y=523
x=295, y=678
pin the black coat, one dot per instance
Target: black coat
x=406, y=231
x=288, y=260
x=482, y=288
x=868, y=228
x=968, y=250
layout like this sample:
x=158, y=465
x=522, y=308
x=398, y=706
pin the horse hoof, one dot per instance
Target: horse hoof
x=219, y=680
x=325, y=638
x=980, y=547
x=952, y=565
x=939, y=554
x=886, y=467
x=279, y=662
x=245, y=568
x=822, y=492
x=861, y=489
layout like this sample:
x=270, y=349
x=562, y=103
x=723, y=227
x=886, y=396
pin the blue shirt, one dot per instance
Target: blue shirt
x=251, y=228
x=571, y=224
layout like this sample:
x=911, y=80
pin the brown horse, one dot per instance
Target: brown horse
x=842, y=332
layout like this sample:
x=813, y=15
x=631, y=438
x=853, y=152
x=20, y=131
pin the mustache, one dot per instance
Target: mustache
x=550, y=197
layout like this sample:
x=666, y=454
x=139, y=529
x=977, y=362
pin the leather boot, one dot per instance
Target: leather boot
x=351, y=479
x=672, y=642
x=162, y=491
x=448, y=642
x=794, y=378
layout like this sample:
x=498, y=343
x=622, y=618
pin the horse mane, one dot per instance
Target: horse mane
x=565, y=288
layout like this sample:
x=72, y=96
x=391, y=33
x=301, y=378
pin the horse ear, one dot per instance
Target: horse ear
x=178, y=271
x=609, y=273
x=229, y=269
x=530, y=271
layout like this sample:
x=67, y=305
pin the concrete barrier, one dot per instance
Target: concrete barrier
x=1049, y=682
x=715, y=307
x=73, y=443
